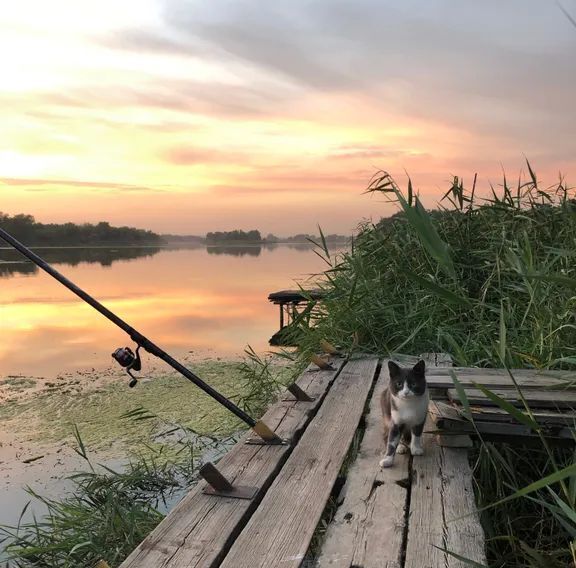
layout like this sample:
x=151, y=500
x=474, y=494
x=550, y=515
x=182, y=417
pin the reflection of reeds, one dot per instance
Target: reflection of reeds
x=492, y=281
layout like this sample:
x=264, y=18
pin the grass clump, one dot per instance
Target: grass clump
x=533, y=531
x=107, y=514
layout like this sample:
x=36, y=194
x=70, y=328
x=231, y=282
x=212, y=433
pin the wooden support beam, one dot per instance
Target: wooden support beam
x=553, y=399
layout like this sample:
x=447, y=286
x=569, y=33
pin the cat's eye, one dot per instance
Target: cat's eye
x=399, y=384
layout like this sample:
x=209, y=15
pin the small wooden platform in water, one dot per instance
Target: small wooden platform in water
x=407, y=516
x=289, y=303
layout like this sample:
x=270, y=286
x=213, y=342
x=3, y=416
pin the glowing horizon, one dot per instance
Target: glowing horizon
x=185, y=116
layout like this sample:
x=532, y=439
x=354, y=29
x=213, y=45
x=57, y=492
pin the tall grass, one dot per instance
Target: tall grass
x=491, y=280
x=454, y=279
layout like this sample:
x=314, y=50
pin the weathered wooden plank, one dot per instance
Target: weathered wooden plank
x=279, y=532
x=497, y=422
x=448, y=440
x=436, y=359
x=463, y=373
x=295, y=296
x=442, y=486
x=368, y=527
x=439, y=477
x=492, y=371
x=501, y=380
x=463, y=531
x=198, y=531
x=443, y=412
x=535, y=398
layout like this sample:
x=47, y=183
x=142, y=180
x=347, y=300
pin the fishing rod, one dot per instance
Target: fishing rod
x=129, y=359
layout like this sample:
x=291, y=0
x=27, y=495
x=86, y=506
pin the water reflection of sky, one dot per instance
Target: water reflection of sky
x=184, y=300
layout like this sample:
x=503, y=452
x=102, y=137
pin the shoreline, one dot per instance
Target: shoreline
x=38, y=416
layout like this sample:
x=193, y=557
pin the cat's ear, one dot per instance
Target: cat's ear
x=419, y=369
x=393, y=369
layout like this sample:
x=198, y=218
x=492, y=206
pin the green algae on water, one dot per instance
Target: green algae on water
x=49, y=416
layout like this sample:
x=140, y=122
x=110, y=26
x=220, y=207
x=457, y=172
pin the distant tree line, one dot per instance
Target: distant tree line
x=26, y=229
x=305, y=238
x=237, y=236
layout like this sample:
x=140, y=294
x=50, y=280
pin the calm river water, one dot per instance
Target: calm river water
x=211, y=300
x=194, y=302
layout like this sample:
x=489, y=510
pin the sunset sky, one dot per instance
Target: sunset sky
x=186, y=116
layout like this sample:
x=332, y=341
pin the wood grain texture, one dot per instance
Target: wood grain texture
x=490, y=372
x=454, y=440
x=448, y=412
x=493, y=421
x=497, y=381
x=441, y=378
x=279, y=532
x=463, y=532
x=535, y=398
x=198, y=531
x=426, y=520
x=441, y=477
x=436, y=360
x=368, y=527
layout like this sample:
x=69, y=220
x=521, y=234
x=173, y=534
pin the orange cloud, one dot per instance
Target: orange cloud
x=184, y=118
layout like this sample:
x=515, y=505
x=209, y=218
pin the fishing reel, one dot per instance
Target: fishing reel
x=130, y=361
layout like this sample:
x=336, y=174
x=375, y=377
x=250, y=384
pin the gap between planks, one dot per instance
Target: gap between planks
x=279, y=532
x=368, y=528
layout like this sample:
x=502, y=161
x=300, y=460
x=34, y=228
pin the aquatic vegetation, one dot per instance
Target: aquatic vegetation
x=452, y=279
x=97, y=409
x=104, y=517
x=110, y=511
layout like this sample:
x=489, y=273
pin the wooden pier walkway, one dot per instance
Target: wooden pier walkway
x=322, y=500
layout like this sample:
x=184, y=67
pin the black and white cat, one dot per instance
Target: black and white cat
x=404, y=407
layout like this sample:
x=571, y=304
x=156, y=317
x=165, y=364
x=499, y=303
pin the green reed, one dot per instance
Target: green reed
x=452, y=280
x=491, y=280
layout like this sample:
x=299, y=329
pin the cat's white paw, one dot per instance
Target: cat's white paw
x=416, y=450
x=402, y=449
x=388, y=461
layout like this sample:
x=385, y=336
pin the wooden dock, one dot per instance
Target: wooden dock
x=289, y=303
x=322, y=500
